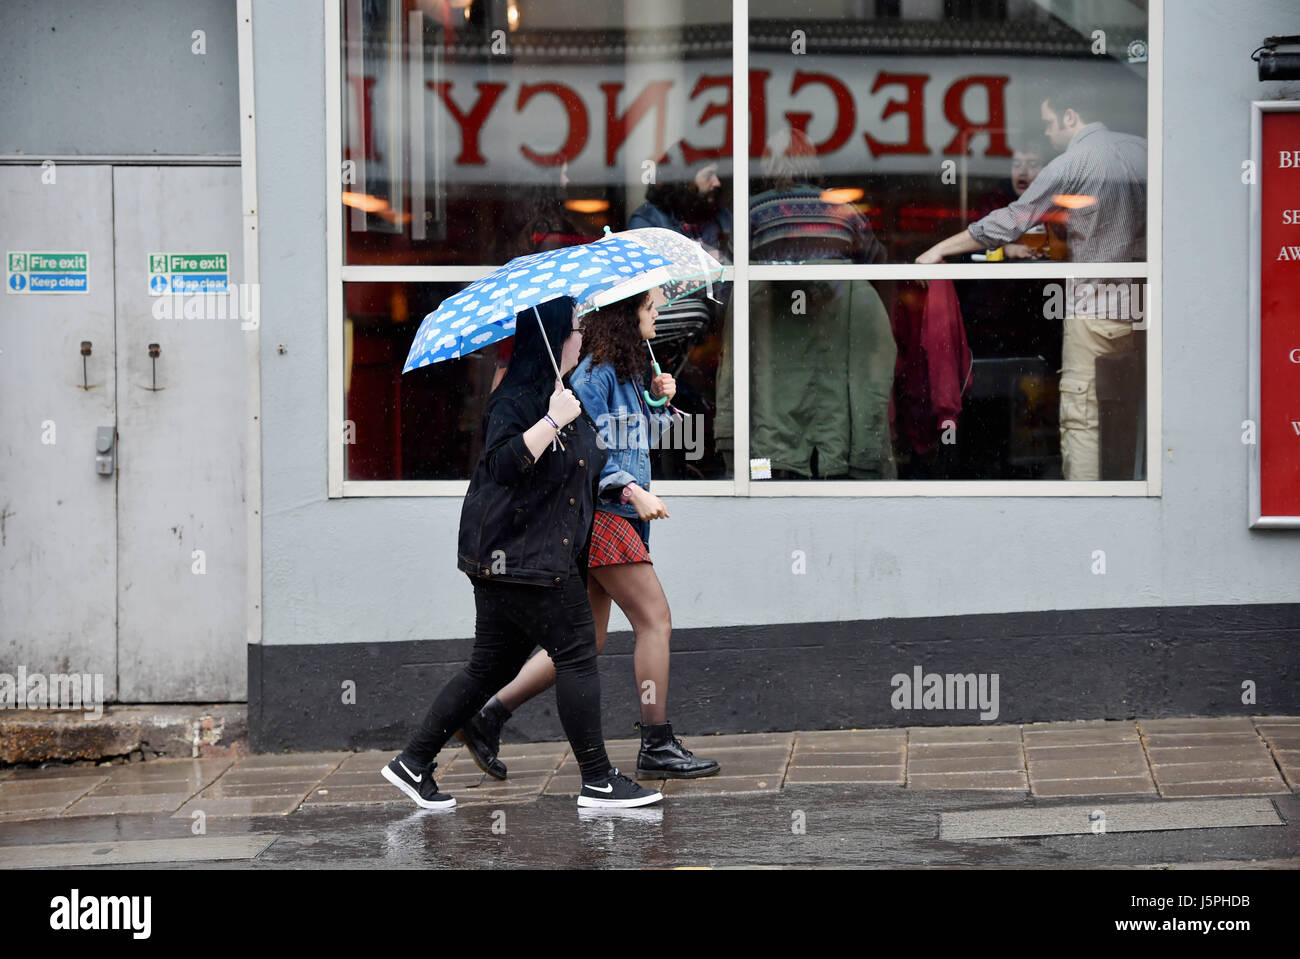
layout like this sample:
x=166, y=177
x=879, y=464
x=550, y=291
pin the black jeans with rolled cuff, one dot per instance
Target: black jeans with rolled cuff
x=512, y=619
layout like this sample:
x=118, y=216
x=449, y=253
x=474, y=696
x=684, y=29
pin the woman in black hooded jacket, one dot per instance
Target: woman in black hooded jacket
x=524, y=531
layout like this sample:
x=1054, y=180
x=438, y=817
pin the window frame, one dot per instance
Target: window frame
x=741, y=273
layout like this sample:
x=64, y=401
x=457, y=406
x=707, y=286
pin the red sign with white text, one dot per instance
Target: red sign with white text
x=1279, y=315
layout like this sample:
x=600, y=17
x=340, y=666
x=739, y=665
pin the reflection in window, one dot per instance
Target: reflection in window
x=475, y=132
x=427, y=424
x=423, y=425
x=852, y=379
x=924, y=116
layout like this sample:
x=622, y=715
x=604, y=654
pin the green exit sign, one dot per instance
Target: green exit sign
x=49, y=262
x=189, y=263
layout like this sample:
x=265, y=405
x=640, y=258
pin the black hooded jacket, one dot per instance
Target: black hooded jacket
x=526, y=520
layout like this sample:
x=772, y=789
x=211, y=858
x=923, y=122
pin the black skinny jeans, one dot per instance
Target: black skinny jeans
x=513, y=618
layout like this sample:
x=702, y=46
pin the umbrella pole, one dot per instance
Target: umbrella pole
x=555, y=366
x=549, y=352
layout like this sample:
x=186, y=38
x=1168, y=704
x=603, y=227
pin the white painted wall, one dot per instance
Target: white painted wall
x=384, y=569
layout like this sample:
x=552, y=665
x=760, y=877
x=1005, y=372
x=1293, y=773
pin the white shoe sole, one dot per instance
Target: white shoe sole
x=419, y=800
x=594, y=802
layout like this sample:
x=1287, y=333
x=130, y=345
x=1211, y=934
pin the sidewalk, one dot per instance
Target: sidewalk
x=1152, y=759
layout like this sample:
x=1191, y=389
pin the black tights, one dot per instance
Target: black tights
x=513, y=618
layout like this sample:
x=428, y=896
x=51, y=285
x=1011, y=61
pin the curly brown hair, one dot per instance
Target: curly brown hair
x=612, y=335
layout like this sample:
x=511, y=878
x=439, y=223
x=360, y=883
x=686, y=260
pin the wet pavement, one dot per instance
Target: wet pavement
x=1164, y=793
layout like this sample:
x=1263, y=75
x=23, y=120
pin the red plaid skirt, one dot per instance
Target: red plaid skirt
x=614, y=542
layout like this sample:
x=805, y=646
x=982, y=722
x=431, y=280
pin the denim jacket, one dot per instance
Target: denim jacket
x=625, y=426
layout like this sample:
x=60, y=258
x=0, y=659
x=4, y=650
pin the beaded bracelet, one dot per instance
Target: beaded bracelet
x=555, y=440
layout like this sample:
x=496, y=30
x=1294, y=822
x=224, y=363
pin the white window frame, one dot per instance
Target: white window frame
x=741, y=273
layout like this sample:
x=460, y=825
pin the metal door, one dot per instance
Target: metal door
x=181, y=547
x=58, y=535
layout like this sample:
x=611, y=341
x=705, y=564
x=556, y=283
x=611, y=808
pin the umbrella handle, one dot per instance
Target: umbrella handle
x=651, y=400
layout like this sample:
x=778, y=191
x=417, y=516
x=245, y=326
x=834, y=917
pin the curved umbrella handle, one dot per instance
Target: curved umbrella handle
x=651, y=400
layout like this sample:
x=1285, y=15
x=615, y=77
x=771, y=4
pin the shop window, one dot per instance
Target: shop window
x=923, y=179
x=536, y=124
x=853, y=379
x=870, y=148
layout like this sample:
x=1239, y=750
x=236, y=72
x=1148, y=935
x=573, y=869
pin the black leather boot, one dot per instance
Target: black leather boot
x=482, y=737
x=663, y=756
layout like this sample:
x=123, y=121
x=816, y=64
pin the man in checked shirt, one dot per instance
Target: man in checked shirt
x=1098, y=187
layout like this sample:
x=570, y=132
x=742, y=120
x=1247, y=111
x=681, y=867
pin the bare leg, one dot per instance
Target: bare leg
x=538, y=674
x=636, y=589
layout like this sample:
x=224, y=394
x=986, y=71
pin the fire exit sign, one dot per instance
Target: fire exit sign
x=44, y=272
x=189, y=273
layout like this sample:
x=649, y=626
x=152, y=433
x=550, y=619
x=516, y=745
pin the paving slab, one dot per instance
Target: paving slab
x=1121, y=817
x=1200, y=739
x=241, y=806
x=1127, y=764
x=35, y=786
x=25, y=773
x=163, y=787
x=360, y=778
x=42, y=800
x=851, y=740
x=374, y=758
x=963, y=734
x=736, y=740
x=846, y=774
x=1225, y=724
x=279, y=760
x=193, y=769
x=1236, y=787
x=359, y=795
x=894, y=757
x=973, y=780
x=283, y=774
x=198, y=849
x=220, y=790
x=126, y=805
x=503, y=794
x=1111, y=786
x=975, y=764
x=1091, y=736
x=715, y=786
x=1215, y=772
x=28, y=815
x=1172, y=755
x=963, y=750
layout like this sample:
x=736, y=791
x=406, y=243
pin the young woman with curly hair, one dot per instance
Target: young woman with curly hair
x=608, y=382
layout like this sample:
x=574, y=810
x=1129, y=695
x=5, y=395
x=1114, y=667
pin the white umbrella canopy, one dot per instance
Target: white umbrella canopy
x=688, y=267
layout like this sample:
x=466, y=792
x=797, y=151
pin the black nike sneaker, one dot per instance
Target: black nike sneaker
x=417, y=782
x=616, y=790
